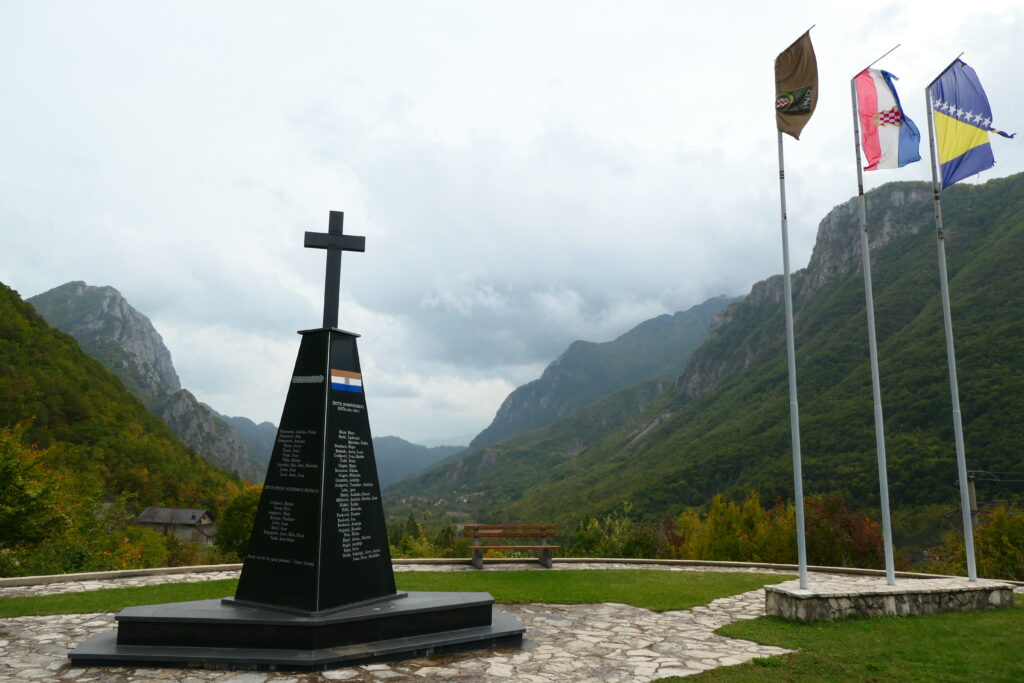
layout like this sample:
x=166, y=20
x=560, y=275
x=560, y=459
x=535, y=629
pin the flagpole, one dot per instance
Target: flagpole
x=794, y=411
x=882, y=57
x=876, y=391
x=958, y=430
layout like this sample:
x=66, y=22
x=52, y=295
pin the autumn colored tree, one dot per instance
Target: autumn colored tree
x=235, y=524
x=751, y=533
x=998, y=547
x=28, y=493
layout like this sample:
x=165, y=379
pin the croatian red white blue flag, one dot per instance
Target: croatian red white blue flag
x=888, y=137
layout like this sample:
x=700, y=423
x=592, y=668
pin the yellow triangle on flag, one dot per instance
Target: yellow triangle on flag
x=955, y=137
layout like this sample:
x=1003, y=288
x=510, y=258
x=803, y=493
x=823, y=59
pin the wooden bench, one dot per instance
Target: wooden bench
x=541, y=531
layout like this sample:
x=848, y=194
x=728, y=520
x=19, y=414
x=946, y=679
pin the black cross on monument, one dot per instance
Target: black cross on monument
x=334, y=242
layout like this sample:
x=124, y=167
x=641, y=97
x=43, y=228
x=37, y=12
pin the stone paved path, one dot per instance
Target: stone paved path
x=599, y=643
x=605, y=642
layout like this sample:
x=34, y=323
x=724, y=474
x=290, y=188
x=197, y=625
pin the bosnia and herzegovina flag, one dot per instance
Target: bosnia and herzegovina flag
x=888, y=137
x=346, y=380
x=963, y=120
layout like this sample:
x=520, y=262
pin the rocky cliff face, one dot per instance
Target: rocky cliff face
x=893, y=210
x=588, y=371
x=216, y=440
x=110, y=330
x=114, y=333
x=258, y=439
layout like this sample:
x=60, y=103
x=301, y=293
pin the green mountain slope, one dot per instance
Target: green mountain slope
x=397, y=458
x=124, y=340
x=724, y=425
x=100, y=434
x=589, y=371
x=486, y=479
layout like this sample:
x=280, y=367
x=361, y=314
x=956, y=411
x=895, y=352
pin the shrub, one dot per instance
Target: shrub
x=998, y=547
x=617, y=535
x=750, y=533
x=411, y=539
x=837, y=536
x=235, y=526
x=29, y=494
x=741, y=533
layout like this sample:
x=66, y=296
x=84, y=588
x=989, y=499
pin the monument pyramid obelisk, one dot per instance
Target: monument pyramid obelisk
x=319, y=541
x=317, y=589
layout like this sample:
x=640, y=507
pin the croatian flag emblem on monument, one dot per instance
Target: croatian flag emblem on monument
x=344, y=380
x=889, y=138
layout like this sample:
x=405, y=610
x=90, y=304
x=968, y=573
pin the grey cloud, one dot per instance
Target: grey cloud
x=505, y=215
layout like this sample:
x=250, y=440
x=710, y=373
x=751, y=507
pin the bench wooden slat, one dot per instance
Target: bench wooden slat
x=513, y=547
x=514, y=526
x=532, y=531
x=487, y=534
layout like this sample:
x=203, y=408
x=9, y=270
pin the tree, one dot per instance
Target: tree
x=998, y=546
x=235, y=525
x=28, y=493
x=840, y=537
x=446, y=539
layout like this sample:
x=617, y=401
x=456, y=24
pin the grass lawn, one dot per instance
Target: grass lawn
x=653, y=589
x=957, y=646
x=650, y=588
x=114, y=599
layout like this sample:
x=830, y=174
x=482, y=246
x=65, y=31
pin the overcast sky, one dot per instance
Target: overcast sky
x=525, y=173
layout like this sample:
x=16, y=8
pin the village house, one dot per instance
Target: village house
x=195, y=526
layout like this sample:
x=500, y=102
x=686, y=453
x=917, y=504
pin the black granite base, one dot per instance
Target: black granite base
x=210, y=634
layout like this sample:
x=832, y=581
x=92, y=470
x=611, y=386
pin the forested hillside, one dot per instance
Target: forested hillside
x=397, y=458
x=94, y=430
x=125, y=342
x=588, y=371
x=723, y=426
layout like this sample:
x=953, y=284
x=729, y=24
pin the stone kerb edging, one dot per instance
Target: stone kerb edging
x=832, y=599
x=198, y=569
x=115, y=574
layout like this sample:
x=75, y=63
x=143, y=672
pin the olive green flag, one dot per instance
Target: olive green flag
x=796, y=86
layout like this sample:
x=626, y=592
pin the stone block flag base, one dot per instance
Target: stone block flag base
x=317, y=589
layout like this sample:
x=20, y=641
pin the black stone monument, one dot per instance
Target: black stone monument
x=317, y=589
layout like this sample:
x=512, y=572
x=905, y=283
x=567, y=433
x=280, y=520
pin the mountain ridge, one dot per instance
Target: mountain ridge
x=116, y=334
x=125, y=341
x=588, y=371
x=99, y=436
x=398, y=458
x=722, y=426
x=257, y=438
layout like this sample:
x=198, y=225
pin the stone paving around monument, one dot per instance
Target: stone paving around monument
x=599, y=642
